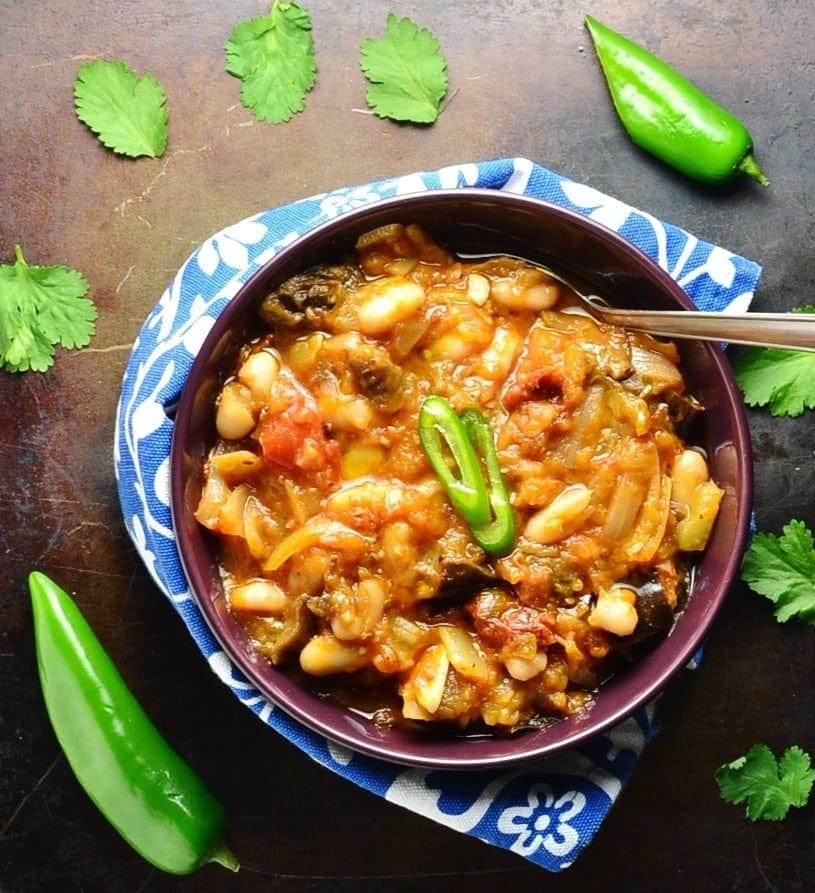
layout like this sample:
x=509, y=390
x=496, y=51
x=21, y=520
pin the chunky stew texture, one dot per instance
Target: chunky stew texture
x=341, y=552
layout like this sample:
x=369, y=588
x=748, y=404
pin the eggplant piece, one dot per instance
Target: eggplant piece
x=378, y=376
x=457, y=581
x=656, y=616
x=299, y=627
x=306, y=298
x=462, y=579
x=683, y=410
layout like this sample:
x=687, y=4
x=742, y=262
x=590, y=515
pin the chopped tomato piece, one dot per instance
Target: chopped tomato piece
x=499, y=618
x=551, y=368
x=291, y=432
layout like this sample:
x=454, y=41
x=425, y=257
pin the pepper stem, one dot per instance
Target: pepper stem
x=221, y=854
x=748, y=165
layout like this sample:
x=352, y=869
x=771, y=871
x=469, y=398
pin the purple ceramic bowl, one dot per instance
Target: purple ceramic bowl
x=475, y=221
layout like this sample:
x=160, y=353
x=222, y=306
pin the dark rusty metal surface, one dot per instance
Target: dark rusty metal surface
x=524, y=81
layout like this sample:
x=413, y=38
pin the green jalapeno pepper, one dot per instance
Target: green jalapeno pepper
x=498, y=536
x=484, y=504
x=145, y=790
x=439, y=426
x=666, y=115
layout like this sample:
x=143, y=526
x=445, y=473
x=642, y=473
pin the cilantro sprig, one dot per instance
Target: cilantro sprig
x=768, y=786
x=782, y=380
x=407, y=71
x=273, y=56
x=782, y=568
x=41, y=307
x=127, y=113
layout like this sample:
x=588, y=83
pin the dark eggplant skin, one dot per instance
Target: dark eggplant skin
x=305, y=299
x=378, y=376
x=462, y=579
x=656, y=615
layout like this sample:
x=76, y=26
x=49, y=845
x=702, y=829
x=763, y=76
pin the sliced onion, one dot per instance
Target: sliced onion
x=230, y=518
x=214, y=494
x=656, y=369
x=625, y=505
x=427, y=680
x=236, y=465
x=644, y=540
x=410, y=333
x=258, y=527
x=587, y=425
x=464, y=654
x=317, y=531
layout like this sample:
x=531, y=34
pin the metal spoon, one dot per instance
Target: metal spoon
x=788, y=331
x=794, y=331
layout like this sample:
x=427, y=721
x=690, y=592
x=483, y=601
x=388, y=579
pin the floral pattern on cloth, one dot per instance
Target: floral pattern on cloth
x=546, y=812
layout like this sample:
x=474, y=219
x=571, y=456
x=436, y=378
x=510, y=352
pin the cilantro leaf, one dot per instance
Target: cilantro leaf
x=127, y=113
x=407, y=71
x=274, y=58
x=782, y=568
x=41, y=307
x=768, y=787
x=784, y=380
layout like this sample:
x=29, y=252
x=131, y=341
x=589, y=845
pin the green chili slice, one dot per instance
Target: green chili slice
x=498, y=536
x=668, y=116
x=478, y=491
x=443, y=436
x=142, y=787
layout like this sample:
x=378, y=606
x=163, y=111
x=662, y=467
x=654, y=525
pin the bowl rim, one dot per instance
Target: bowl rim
x=345, y=727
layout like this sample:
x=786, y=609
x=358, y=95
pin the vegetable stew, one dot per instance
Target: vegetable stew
x=341, y=550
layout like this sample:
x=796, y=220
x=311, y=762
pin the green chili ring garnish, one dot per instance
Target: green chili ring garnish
x=439, y=426
x=478, y=493
x=498, y=536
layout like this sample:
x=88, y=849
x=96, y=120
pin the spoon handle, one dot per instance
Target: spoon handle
x=795, y=331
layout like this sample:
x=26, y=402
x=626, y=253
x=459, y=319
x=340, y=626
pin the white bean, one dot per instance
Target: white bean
x=258, y=373
x=478, y=289
x=525, y=668
x=346, y=413
x=464, y=654
x=615, y=611
x=689, y=470
x=561, y=517
x=390, y=302
x=324, y=655
x=258, y=597
x=453, y=347
x=234, y=417
x=426, y=684
x=541, y=297
x=359, y=613
x=497, y=359
x=516, y=295
x=373, y=593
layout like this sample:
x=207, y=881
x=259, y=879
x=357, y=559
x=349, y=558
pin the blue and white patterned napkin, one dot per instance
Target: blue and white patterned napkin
x=546, y=812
